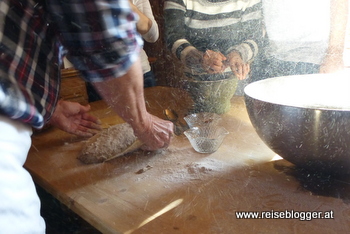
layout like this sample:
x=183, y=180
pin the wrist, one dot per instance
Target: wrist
x=142, y=125
x=52, y=119
x=183, y=51
x=234, y=54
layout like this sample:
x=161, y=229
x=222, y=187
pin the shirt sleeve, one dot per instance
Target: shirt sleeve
x=145, y=7
x=250, y=38
x=175, y=30
x=100, y=36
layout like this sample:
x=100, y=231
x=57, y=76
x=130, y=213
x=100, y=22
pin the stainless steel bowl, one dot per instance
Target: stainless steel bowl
x=304, y=119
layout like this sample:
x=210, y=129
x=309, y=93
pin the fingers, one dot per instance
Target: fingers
x=240, y=68
x=158, y=135
x=86, y=132
x=91, y=121
x=83, y=132
x=213, y=61
x=86, y=108
x=241, y=71
x=78, y=129
x=162, y=142
x=214, y=55
x=163, y=134
x=90, y=125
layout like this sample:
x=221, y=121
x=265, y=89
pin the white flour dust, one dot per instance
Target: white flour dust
x=180, y=164
x=198, y=170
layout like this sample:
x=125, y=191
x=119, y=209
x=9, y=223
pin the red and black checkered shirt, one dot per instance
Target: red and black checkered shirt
x=98, y=37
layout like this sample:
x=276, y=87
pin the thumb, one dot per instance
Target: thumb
x=84, y=109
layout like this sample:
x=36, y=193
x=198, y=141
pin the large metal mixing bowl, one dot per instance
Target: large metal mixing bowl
x=304, y=119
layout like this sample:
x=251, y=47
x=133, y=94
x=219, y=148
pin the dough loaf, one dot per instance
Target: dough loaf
x=112, y=142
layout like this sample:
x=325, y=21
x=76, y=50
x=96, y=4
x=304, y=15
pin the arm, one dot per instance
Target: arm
x=247, y=42
x=174, y=20
x=146, y=25
x=106, y=51
x=333, y=60
x=175, y=36
x=212, y=61
x=125, y=95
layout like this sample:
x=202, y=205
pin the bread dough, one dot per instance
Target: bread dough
x=112, y=142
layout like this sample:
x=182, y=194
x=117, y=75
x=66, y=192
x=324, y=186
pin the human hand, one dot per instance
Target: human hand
x=213, y=62
x=193, y=59
x=125, y=95
x=238, y=66
x=73, y=118
x=156, y=134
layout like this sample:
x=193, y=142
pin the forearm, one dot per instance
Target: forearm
x=150, y=32
x=248, y=42
x=174, y=20
x=248, y=50
x=339, y=17
x=333, y=59
x=153, y=33
x=144, y=24
x=251, y=39
x=125, y=96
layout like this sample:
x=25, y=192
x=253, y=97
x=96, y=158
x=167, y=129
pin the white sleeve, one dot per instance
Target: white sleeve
x=145, y=7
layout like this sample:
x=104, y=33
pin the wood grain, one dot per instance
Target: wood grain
x=182, y=191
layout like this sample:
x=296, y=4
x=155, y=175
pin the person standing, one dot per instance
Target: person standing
x=303, y=38
x=214, y=39
x=100, y=40
x=148, y=28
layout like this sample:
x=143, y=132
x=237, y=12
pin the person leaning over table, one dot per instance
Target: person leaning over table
x=148, y=28
x=101, y=41
x=305, y=40
x=214, y=36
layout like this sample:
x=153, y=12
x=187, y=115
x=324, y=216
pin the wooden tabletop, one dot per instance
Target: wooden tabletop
x=181, y=191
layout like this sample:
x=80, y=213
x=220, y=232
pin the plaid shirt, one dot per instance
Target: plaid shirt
x=98, y=37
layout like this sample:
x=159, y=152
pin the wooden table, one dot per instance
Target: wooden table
x=183, y=191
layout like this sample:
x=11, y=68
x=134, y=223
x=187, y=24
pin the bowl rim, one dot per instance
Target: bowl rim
x=216, y=116
x=196, y=128
x=252, y=91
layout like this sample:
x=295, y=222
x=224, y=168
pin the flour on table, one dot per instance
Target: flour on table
x=109, y=143
x=197, y=170
x=194, y=168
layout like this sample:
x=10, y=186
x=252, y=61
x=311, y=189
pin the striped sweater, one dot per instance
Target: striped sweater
x=219, y=25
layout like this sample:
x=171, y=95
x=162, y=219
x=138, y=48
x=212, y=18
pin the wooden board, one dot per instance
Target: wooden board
x=181, y=191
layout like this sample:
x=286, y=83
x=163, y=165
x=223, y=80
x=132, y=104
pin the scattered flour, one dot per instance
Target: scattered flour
x=198, y=170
